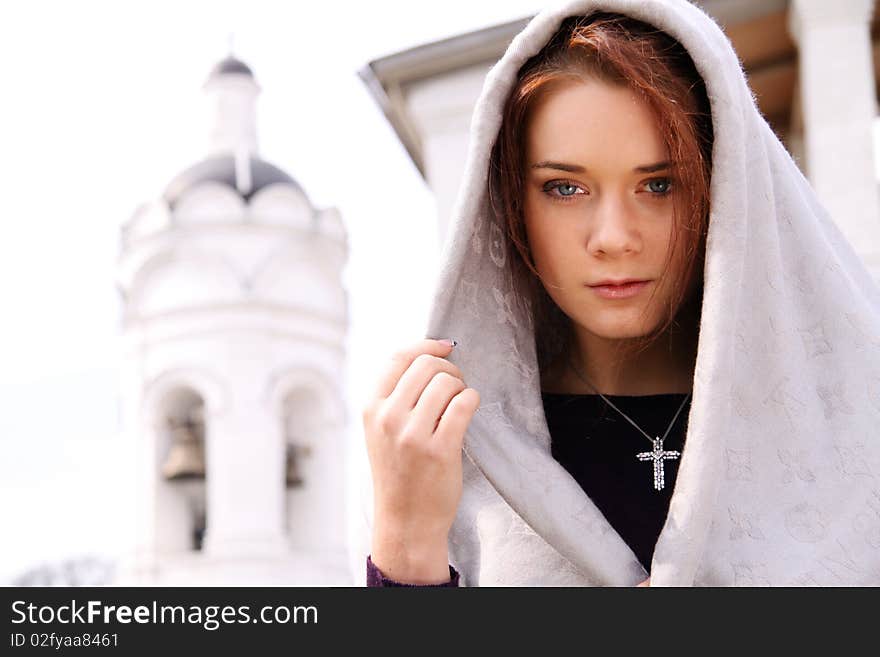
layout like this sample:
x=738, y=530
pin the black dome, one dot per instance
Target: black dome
x=221, y=169
x=231, y=65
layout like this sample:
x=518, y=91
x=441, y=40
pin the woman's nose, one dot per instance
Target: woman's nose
x=611, y=229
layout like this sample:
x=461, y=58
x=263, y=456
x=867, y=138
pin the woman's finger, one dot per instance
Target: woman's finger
x=401, y=360
x=416, y=378
x=455, y=419
x=435, y=399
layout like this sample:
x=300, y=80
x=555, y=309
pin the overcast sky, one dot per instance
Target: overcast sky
x=102, y=107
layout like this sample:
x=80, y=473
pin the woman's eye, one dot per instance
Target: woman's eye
x=664, y=186
x=564, y=190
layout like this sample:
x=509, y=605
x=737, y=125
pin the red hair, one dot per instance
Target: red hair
x=619, y=50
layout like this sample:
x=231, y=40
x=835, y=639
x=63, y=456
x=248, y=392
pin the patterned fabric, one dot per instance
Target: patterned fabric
x=779, y=479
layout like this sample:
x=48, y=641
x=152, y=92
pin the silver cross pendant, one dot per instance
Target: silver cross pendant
x=658, y=456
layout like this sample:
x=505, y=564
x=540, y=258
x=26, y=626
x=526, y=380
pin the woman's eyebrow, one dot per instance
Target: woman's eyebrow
x=561, y=166
x=651, y=168
x=574, y=168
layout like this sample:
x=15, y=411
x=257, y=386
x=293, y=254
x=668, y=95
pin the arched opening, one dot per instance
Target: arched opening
x=304, y=450
x=181, y=513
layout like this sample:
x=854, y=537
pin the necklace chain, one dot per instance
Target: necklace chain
x=657, y=455
x=608, y=401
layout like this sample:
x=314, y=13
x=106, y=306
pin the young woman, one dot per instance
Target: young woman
x=668, y=358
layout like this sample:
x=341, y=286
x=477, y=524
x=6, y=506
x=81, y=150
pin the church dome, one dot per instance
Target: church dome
x=231, y=65
x=221, y=169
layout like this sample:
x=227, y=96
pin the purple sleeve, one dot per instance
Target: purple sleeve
x=376, y=578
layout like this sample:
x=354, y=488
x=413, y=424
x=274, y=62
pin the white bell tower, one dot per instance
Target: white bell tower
x=234, y=329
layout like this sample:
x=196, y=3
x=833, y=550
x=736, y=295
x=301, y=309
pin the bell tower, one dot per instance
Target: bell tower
x=233, y=341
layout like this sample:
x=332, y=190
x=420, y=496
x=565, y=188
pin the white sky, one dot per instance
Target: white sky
x=102, y=107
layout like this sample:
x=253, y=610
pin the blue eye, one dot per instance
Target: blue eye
x=566, y=190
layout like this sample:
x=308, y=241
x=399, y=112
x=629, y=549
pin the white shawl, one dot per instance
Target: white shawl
x=779, y=479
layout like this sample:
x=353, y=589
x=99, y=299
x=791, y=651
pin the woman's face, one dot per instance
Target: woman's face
x=598, y=205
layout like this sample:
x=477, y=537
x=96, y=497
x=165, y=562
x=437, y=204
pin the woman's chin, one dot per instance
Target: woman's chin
x=619, y=330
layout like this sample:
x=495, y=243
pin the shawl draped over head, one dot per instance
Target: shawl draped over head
x=779, y=478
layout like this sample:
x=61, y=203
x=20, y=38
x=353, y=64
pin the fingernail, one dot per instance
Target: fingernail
x=448, y=342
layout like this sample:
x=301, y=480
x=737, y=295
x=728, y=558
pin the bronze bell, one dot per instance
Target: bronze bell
x=293, y=475
x=186, y=458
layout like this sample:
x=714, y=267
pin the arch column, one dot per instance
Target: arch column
x=245, y=486
x=838, y=102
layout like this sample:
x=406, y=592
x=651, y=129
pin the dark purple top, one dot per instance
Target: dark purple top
x=376, y=578
x=599, y=448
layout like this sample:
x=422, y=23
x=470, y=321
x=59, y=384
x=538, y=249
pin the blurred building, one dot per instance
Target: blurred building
x=234, y=327
x=810, y=64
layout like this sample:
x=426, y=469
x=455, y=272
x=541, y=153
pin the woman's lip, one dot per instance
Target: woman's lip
x=619, y=291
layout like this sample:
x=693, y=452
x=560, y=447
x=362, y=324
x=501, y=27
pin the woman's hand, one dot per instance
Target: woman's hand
x=414, y=427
